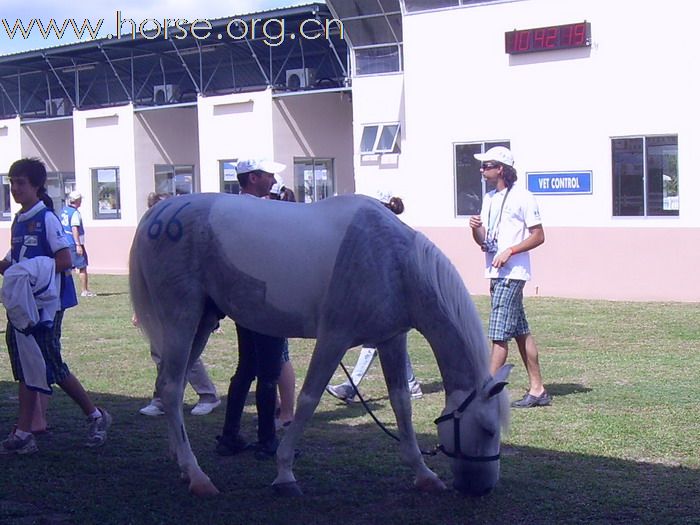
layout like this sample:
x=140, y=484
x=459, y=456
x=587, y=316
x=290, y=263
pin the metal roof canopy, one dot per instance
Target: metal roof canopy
x=151, y=70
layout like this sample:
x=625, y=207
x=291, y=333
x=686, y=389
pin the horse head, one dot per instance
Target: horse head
x=469, y=431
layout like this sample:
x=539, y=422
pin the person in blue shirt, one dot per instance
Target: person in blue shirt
x=72, y=223
x=36, y=231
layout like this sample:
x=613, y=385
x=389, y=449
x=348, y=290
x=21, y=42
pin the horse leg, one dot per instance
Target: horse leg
x=393, y=355
x=179, y=352
x=324, y=360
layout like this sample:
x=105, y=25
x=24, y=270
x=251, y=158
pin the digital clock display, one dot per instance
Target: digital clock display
x=549, y=38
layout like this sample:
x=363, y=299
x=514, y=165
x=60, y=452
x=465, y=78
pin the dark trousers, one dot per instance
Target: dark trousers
x=259, y=356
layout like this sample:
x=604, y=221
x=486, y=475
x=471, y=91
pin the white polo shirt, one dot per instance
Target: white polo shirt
x=520, y=213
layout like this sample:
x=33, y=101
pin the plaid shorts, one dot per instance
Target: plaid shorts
x=507, y=318
x=49, y=341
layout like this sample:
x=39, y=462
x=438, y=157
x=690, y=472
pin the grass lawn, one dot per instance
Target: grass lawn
x=620, y=443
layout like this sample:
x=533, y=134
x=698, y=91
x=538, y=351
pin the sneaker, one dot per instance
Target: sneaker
x=97, y=429
x=343, y=392
x=88, y=293
x=416, y=391
x=530, y=401
x=16, y=445
x=152, y=409
x=227, y=446
x=203, y=408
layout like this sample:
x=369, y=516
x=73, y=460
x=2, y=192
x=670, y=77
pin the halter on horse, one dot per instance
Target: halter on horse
x=346, y=272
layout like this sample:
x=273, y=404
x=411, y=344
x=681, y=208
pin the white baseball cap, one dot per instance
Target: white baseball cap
x=268, y=166
x=497, y=154
x=74, y=196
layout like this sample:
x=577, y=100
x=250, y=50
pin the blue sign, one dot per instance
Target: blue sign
x=559, y=182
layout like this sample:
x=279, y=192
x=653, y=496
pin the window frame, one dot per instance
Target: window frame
x=381, y=127
x=222, y=176
x=484, y=146
x=97, y=214
x=616, y=175
x=173, y=168
x=300, y=185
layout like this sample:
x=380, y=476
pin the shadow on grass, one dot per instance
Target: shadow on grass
x=350, y=474
x=565, y=389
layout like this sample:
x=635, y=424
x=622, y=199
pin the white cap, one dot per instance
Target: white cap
x=268, y=166
x=497, y=154
x=74, y=196
x=278, y=186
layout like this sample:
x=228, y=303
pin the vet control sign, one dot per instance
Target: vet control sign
x=564, y=182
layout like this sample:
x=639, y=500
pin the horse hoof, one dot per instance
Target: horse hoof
x=290, y=489
x=432, y=485
x=203, y=490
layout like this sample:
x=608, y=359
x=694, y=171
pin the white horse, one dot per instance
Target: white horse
x=344, y=271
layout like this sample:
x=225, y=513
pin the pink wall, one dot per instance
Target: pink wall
x=631, y=264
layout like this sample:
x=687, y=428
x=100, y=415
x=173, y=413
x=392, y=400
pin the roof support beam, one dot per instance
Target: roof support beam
x=129, y=96
x=59, y=80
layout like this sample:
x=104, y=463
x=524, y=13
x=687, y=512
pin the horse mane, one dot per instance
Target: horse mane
x=454, y=302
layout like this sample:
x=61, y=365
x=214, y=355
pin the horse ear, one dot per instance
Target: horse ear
x=498, y=382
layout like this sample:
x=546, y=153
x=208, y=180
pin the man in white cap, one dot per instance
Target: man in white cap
x=72, y=223
x=507, y=229
x=259, y=355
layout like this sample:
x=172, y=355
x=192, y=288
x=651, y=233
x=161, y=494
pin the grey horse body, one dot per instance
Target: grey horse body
x=344, y=271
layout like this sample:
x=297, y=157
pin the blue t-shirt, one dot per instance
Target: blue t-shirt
x=38, y=232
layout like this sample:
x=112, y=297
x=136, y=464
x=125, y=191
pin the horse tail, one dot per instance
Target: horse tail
x=440, y=277
x=141, y=299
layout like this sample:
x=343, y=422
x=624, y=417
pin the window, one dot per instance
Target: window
x=5, y=211
x=645, y=176
x=314, y=179
x=380, y=138
x=228, y=177
x=174, y=179
x=106, y=202
x=58, y=185
x=469, y=185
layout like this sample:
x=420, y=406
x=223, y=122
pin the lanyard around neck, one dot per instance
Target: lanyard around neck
x=493, y=232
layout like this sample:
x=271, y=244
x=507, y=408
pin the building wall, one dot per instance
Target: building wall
x=51, y=141
x=233, y=126
x=378, y=100
x=559, y=111
x=104, y=138
x=164, y=136
x=315, y=125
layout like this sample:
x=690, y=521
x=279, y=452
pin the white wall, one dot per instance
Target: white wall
x=234, y=126
x=559, y=109
x=104, y=138
x=377, y=100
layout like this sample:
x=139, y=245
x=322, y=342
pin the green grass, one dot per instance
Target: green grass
x=619, y=444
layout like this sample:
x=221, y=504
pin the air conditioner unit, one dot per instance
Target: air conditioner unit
x=55, y=107
x=300, y=78
x=166, y=93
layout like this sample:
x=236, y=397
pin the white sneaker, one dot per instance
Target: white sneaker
x=203, y=408
x=97, y=429
x=152, y=410
x=88, y=293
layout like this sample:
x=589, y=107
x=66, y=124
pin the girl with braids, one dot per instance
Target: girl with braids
x=37, y=232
